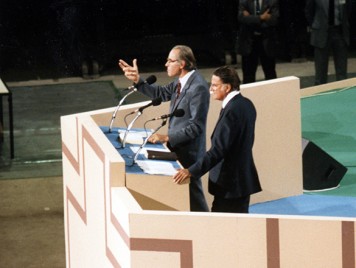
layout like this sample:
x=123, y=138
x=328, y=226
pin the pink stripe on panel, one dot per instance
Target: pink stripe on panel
x=81, y=212
x=120, y=230
x=70, y=157
x=273, y=249
x=348, y=244
x=93, y=145
x=184, y=247
x=112, y=258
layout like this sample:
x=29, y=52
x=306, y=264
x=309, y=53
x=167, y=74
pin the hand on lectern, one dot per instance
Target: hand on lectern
x=162, y=138
x=181, y=176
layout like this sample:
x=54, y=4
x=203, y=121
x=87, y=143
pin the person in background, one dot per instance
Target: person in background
x=257, y=37
x=232, y=173
x=189, y=91
x=329, y=22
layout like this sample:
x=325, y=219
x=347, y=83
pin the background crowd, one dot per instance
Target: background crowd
x=66, y=37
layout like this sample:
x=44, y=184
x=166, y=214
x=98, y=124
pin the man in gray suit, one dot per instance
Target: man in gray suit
x=330, y=29
x=190, y=92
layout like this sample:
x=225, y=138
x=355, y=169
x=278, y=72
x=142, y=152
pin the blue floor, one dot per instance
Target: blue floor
x=310, y=205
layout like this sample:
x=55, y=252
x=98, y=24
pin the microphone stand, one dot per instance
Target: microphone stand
x=118, y=107
x=129, y=128
x=145, y=141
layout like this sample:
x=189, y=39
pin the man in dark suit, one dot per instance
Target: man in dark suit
x=330, y=29
x=186, y=135
x=257, y=37
x=233, y=176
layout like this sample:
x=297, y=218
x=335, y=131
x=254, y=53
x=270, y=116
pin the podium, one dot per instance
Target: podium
x=115, y=218
x=152, y=192
x=157, y=192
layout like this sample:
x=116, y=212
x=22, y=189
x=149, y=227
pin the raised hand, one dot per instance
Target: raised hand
x=131, y=72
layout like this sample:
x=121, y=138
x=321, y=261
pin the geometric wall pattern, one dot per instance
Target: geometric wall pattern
x=106, y=227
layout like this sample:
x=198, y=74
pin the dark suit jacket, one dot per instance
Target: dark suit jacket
x=187, y=134
x=317, y=15
x=248, y=25
x=230, y=161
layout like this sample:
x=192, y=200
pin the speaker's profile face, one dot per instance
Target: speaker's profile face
x=217, y=88
x=173, y=64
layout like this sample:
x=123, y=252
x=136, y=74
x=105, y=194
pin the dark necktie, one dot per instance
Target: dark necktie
x=331, y=12
x=178, y=89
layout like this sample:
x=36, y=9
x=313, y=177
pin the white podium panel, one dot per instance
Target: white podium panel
x=119, y=219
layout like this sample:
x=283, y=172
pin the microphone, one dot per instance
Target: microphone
x=154, y=102
x=149, y=80
x=176, y=113
x=146, y=140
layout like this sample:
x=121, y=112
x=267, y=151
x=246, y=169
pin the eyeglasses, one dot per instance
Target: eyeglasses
x=171, y=61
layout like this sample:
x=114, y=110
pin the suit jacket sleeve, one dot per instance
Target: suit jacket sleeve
x=253, y=20
x=223, y=138
x=155, y=91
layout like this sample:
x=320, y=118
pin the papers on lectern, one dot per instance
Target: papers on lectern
x=157, y=167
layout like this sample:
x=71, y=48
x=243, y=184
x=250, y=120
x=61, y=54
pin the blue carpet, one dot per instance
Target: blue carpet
x=309, y=205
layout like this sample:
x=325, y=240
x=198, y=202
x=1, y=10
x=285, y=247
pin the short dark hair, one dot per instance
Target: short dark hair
x=186, y=54
x=228, y=75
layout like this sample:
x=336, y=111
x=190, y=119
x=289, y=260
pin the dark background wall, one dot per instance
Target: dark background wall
x=48, y=38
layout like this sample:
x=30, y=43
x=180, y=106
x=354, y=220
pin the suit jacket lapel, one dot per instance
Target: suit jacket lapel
x=183, y=92
x=174, y=101
x=222, y=112
x=217, y=122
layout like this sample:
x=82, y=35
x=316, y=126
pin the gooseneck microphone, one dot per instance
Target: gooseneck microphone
x=150, y=80
x=146, y=140
x=176, y=113
x=154, y=102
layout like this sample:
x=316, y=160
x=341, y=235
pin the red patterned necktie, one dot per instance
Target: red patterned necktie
x=178, y=88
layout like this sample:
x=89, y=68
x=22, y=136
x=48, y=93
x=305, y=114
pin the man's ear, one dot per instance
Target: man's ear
x=228, y=88
x=183, y=64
